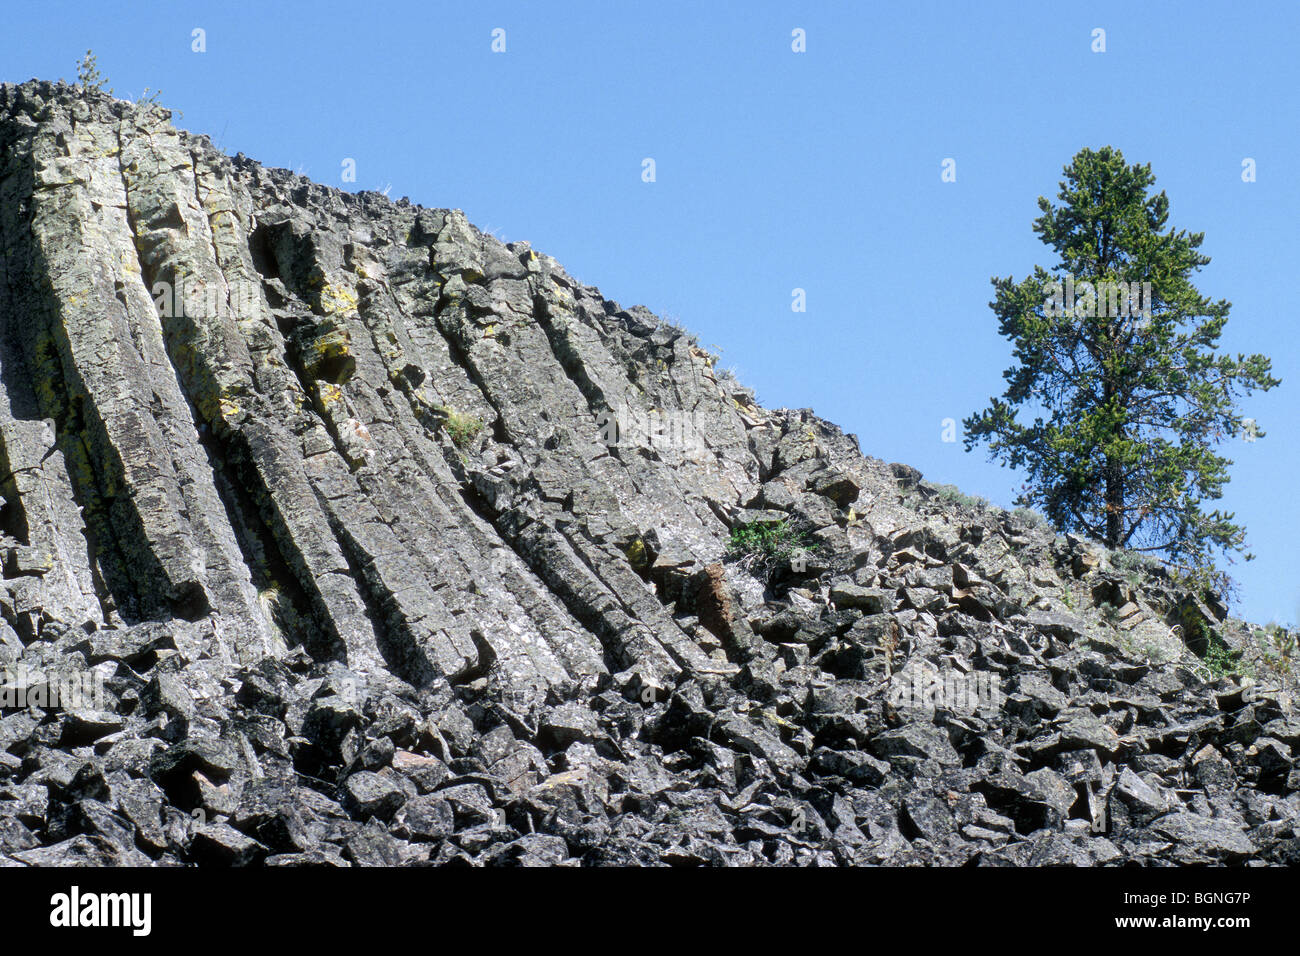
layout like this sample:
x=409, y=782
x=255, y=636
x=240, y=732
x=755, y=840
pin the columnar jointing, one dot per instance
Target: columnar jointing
x=306, y=418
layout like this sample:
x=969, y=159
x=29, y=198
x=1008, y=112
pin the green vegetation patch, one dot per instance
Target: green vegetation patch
x=462, y=429
x=764, y=547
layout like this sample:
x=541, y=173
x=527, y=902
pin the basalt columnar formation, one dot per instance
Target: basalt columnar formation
x=338, y=532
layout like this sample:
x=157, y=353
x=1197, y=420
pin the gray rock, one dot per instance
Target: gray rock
x=927, y=816
x=270, y=812
x=916, y=740
x=1145, y=801
x=371, y=845
x=1198, y=836
x=1086, y=730
x=82, y=850
x=216, y=758
x=425, y=818
x=218, y=844
x=367, y=794
x=871, y=600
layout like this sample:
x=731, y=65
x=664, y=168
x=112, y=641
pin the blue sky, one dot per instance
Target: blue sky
x=778, y=170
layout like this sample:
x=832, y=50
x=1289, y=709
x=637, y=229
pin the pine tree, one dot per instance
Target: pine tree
x=88, y=74
x=1117, y=362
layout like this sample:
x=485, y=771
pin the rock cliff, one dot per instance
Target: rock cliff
x=351, y=535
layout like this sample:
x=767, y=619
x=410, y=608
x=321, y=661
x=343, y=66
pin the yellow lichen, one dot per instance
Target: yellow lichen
x=338, y=299
x=636, y=554
x=330, y=394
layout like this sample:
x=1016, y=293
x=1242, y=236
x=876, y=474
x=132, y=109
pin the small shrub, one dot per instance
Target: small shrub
x=957, y=496
x=1032, y=518
x=761, y=547
x=1221, y=660
x=462, y=429
x=1151, y=651
x=1277, y=647
x=761, y=536
x=280, y=612
x=1208, y=583
x=88, y=74
x=1283, y=640
x=673, y=322
x=1135, y=563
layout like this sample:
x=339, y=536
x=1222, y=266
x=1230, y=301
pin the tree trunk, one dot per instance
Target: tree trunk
x=1114, y=474
x=1114, y=504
